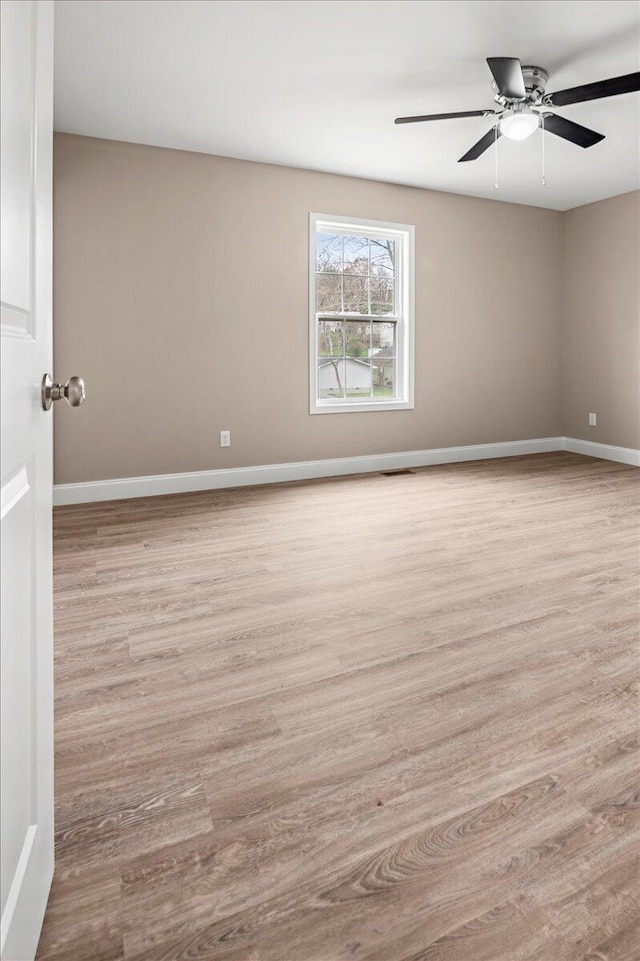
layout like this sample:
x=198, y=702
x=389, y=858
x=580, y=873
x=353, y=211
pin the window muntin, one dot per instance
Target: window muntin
x=360, y=315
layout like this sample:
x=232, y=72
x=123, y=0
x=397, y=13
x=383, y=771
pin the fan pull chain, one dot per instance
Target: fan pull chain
x=495, y=145
x=544, y=182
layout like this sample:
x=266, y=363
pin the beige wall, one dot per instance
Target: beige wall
x=601, y=321
x=181, y=296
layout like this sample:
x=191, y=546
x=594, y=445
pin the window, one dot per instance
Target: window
x=361, y=315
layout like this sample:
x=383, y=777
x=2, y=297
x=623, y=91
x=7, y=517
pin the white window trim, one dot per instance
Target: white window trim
x=405, y=234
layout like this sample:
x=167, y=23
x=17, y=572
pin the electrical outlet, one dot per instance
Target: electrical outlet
x=225, y=438
x=592, y=420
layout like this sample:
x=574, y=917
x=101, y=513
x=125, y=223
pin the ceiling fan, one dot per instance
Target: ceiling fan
x=520, y=92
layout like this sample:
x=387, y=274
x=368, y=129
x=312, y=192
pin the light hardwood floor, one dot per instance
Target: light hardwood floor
x=364, y=719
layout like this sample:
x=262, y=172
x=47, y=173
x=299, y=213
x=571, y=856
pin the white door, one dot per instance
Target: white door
x=26, y=865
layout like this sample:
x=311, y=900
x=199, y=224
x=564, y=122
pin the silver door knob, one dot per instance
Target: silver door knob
x=73, y=391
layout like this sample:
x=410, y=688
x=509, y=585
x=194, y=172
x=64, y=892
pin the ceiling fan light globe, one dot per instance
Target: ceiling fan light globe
x=518, y=126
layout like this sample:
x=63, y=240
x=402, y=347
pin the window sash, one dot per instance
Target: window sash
x=366, y=234
x=374, y=358
x=395, y=360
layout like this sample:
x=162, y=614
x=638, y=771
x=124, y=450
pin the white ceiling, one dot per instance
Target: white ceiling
x=317, y=84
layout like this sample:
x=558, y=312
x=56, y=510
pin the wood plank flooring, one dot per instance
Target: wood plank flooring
x=361, y=719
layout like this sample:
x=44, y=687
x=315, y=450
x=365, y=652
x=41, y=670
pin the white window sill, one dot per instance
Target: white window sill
x=360, y=407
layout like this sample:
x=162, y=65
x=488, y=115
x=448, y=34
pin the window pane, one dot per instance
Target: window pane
x=383, y=337
x=356, y=294
x=384, y=376
x=328, y=293
x=330, y=338
x=381, y=296
x=331, y=377
x=357, y=338
x=356, y=255
x=359, y=377
x=329, y=253
x=383, y=257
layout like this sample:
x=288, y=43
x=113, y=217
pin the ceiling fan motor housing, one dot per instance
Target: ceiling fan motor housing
x=535, y=82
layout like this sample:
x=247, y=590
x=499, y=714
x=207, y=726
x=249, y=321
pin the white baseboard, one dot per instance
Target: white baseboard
x=126, y=487
x=275, y=473
x=624, y=455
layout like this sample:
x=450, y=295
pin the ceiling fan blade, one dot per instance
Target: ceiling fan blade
x=444, y=116
x=569, y=130
x=483, y=144
x=594, y=91
x=507, y=74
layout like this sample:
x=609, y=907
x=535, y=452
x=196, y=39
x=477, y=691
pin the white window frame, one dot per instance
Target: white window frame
x=404, y=235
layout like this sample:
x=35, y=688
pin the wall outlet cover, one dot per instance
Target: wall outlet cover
x=225, y=438
x=592, y=420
